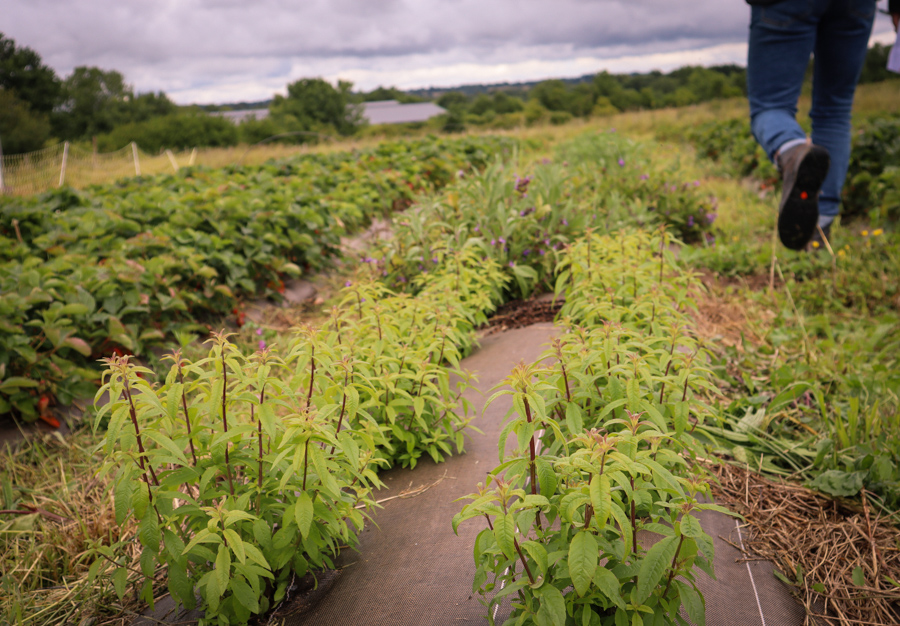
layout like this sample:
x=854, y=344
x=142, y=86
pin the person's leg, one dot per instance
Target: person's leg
x=782, y=38
x=842, y=41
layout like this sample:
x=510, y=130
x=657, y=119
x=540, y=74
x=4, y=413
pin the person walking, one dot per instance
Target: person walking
x=783, y=35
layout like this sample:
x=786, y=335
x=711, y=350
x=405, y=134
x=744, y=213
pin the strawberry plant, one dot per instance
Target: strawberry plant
x=123, y=267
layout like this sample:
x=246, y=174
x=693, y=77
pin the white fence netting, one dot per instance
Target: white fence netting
x=65, y=164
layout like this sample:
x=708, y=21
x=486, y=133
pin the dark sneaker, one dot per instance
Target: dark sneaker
x=803, y=169
x=816, y=242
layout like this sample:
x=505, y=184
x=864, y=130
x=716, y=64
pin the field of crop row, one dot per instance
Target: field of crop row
x=229, y=472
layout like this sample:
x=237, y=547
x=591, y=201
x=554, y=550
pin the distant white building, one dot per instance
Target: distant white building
x=236, y=117
x=392, y=112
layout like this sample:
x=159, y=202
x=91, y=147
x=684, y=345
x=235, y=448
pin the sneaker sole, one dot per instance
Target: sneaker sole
x=799, y=212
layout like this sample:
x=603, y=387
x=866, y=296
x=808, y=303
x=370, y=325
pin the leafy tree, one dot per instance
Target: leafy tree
x=313, y=104
x=21, y=129
x=253, y=131
x=22, y=71
x=95, y=101
x=177, y=131
x=389, y=93
x=552, y=94
x=504, y=103
x=454, y=100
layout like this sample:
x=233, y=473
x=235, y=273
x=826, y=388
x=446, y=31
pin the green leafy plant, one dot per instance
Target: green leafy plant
x=619, y=412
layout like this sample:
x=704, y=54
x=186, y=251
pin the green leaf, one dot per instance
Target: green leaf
x=693, y=602
x=553, y=606
x=583, y=555
x=235, y=543
x=179, y=584
x=838, y=483
x=600, y=499
x=609, y=585
x=16, y=382
x=690, y=526
x=120, y=581
x=654, y=565
x=122, y=498
x=547, y=480
x=256, y=556
x=223, y=567
x=505, y=533
x=79, y=345
x=303, y=513
x=574, y=419
x=149, y=532
x=537, y=552
x=858, y=576
x=245, y=595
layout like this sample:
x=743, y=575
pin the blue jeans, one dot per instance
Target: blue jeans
x=782, y=37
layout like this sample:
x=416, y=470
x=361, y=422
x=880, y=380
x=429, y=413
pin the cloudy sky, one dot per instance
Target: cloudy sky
x=216, y=51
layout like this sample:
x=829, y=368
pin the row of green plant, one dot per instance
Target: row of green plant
x=124, y=267
x=873, y=176
x=242, y=472
x=603, y=440
x=597, y=182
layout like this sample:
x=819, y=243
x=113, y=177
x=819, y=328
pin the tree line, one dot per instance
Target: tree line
x=98, y=107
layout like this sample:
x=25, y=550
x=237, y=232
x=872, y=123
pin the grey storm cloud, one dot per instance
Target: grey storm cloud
x=188, y=47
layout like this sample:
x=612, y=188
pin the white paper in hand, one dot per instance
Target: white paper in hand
x=894, y=60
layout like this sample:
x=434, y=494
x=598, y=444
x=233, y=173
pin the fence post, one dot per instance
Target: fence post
x=137, y=163
x=172, y=159
x=62, y=170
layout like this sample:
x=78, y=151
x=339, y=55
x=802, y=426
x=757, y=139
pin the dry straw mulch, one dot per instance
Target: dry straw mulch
x=793, y=526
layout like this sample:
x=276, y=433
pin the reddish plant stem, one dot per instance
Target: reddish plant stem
x=343, y=408
x=187, y=417
x=225, y=420
x=259, y=433
x=588, y=514
x=140, y=441
x=522, y=558
x=662, y=389
x=312, y=374
x=633, y=519
x=672, y=571
x=531, y=450
x=305, y=460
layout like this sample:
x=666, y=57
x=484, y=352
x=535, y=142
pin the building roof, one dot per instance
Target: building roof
x=240, y=116
x=392, y=112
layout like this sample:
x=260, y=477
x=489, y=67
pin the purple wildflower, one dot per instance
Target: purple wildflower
x=477, y=229
x=696, y=183
x=493, y=242
x=621, y=162
x=565, y=222
x=502, y=240
x=434, y=260
x=526, y=252
x=542, y=252
x=645, y=176
x=690, y=221
x=262, y=344
x=711, y=217
x=512, y=263
x=546, y=242
x=347, y=284
x=259, y=331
